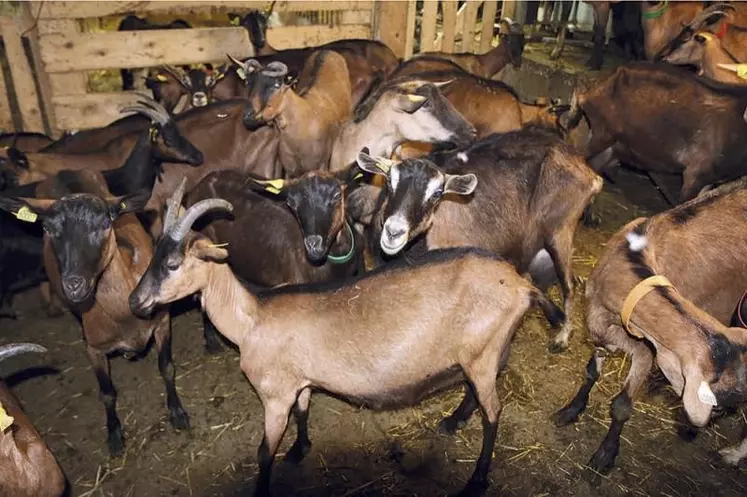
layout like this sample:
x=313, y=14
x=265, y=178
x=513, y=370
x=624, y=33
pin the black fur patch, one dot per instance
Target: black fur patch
x=723, y=351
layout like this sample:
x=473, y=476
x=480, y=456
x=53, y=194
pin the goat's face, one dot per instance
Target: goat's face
x=266, y=96
x=420, y=113
x=512, y=35
x=169, y=145
x=170, y=84
x=14, y=168
x=415, y=188
x=255, y=23
x=691, y=52
x=317, y=200
x=78, y=228
x=730, y=388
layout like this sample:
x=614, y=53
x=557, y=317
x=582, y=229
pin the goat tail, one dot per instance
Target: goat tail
x=552, y=312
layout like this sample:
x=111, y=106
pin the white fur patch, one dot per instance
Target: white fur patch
x=433, y=185
x=462, y=157
x=705, y=394
x=636, y=242
x=394, y=176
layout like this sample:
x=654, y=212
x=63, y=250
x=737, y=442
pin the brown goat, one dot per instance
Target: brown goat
x=179, y=90
x=699, y=246
x=27, y=467
x=95, y=251
x=706, y=52
x=373, y=361
x=25, y=142
x=490, y=63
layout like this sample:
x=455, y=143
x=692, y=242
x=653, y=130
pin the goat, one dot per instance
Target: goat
x=480, y=292
x=135, y=23
x=682, y=322
x=178, y=90
x=27, y=467
x=162, y=142
x=665, y=120
x=25, y=142
x=707, y=54
x=543, y=188
x=490, y=63
x=266, y=247
x=626, y=25
x=95, y=250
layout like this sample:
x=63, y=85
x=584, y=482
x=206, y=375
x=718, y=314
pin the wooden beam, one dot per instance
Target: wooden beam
x=391, y=25
x=112, y=50
x=70, y=83
x=450, y=16
x=6, y=117
x=469, y=23
x=489, y=8
x=81, y=10
x=22, y=77
x=410, y=29
x=75, y=112
x=508, y=9
x=428, y=26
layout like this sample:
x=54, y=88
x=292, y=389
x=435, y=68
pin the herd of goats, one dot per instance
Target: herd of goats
x=380, y=236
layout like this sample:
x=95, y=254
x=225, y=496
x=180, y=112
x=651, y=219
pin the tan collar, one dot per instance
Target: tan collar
x=636, y=294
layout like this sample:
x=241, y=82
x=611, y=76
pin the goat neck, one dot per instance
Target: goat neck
x=376, y=132
x=494, y=60
x=222, y=289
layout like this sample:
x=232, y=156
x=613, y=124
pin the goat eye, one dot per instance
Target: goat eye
x=337, y=195
x=172, y=264
x=106, y=224
x=437, y=194
x=47, y=229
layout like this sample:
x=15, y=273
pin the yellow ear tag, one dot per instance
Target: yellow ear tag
x=742, y=71
x=122, y=205
x=26, y=214
x=274, y=185
x=161, y=78
x=235, y=21
x=5, y=420
x=153, y=133
x=357, y=176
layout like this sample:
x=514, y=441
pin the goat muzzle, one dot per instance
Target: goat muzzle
x=315, y=249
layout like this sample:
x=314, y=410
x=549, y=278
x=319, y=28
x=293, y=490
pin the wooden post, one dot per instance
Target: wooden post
x=489, y=8
x=412, y=7
x=428, y=26
x=469, y=21
x=391, y=25
x=6, y=118
x=450, y=18
x=22, y=77
x=508, y=9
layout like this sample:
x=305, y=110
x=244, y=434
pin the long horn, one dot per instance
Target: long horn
x=15, y=349
x=152, y=114
x=157, y=107
x=239, y=63
x=173, y=204
x=268, y=12
x=704, y=15
x=194, y=213
x=275, y=69
x=179, y=75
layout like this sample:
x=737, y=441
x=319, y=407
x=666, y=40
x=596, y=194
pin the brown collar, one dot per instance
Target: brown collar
x=636, y=294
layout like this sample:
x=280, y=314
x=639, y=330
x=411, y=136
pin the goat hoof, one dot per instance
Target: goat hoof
x=557, y=347
x=449, y=425
x=731, y=455
x=687, y=432
x=594, y=64
x=297, y=452
x=602, y=461
x=54, y=312
x=116, y=444
x=565, y=416
x=555, y=54
x=179, y=418
x=475, y=487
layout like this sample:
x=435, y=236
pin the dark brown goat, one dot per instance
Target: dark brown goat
x=374, y=360
x=542, y=186
x=490, y=63
x=698, y=246
x=179, y=90
x=665, y=120
x=706, y=52
x=95, y=251
x=25, y=142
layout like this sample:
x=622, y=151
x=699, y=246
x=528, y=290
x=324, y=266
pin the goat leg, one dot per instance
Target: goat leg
x=212, y=340
x=302, y=445
x=276, y=420
x=115, y=435
x=601, y=16
x=560, y=249
x=622, y=406
x=570, y=413
x=457, y=419
x=177, y=415
x=50, y=301
x=560, y=41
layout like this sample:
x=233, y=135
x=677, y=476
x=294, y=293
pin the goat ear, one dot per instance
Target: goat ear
x=26, y=209
x=374, y=165
x=410, y=102
x=18, y=157
x=234, y=19
x=134, y=202
x=350, y=175
x=205, y=250
x=462, y=184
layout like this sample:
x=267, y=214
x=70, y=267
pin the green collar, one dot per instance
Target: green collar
x=655, y=14
x=342, y=259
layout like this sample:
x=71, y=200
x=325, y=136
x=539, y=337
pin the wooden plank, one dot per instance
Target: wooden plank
x=44, y=87
x=449, y=8
x=410, y=29
x=79, y=10
x=508, y=9
x=390, y=26
x=6, y=118
x=468, y=24
x=22, y=77
x=75, y=112
x=428, y=26
x=489, y=8
x=71, y=83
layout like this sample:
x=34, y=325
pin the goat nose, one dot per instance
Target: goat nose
x=73, y=283
x=313, y=243
x=393, y=231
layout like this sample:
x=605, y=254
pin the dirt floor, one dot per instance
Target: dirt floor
x=358, y=452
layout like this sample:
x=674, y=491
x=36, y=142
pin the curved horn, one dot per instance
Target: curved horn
x=254, y=64
x=178, y=74
x=15, y=349
x=269, y=10
x=150, y=108
x=173, y=204
x=195, y=212
x=704, y=15
x=236, y=61
x=275, y=69
x=441, y=84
